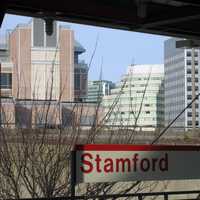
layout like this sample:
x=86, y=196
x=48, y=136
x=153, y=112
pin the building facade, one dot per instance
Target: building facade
x=138, y=99
x=43, y=66
x=98, y=89
x=80, y=74
x=178, y=84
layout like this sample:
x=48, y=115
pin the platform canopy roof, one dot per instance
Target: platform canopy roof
x=179, y=18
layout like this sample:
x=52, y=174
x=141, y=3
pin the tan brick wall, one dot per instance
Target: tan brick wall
x=20, y=51
x=67, y=64
x=14, y=58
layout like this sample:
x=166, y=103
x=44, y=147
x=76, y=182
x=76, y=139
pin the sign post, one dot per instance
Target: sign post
x=73, y=174
x=113, y=163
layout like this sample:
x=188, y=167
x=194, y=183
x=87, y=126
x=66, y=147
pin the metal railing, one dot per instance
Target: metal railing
x=139, y=196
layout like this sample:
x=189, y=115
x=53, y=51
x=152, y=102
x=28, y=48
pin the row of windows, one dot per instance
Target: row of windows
x=80, y=81
x=189, y=71
x=189, y=53
x=189, y=88
x=189, y=62
x=80, y=70
x=189, y=79
x=189, y=97
x=146, y=112
x=142, y=78
x=189, y=114
x=190, y=123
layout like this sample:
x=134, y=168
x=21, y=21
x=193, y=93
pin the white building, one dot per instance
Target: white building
x=98, y=89
x=138, y=99
x=178, y=83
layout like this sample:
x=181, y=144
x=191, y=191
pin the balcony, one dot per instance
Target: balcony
x=81, y=64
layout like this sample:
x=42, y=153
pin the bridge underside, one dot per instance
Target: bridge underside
x=166, y=17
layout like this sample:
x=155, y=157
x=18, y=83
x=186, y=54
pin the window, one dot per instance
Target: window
x=6, y=80
x=189, y=71
x=23, y=116
x=196, y=71
x=84, y=81
x=189, y=62
x=87, y=120
x=147, y=112
x=189, y=88
x=77, y=82
x=189, y=53
x=189, y=123
x=147, y=105
x=189, y=114
x=196, y=88
x=196, y=62
x=83, y=71
x=67, y=117
x=2, y=119
x=75, y=57
x=189, y=97
x=189, y=79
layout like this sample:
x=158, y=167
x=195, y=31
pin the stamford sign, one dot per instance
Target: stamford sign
x=112, y=163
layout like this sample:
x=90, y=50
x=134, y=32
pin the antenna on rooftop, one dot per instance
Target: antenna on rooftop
x=101, y=70
x=132, y=61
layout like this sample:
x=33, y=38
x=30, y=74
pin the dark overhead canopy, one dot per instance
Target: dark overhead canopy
x=167, y=17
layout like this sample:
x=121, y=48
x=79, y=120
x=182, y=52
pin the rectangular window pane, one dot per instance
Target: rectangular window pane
x=6, y=80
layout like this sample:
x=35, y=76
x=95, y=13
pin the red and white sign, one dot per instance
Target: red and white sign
x=112, y=163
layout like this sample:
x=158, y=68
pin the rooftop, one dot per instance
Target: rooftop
x=146, y=69
x=78, y=47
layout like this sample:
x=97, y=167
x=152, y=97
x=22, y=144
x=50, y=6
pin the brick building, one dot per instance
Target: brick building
x=38, y=66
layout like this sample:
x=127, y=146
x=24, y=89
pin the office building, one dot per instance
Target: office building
x=138, y=99
x=43, y=66
x=98, y=89
x=178, y=83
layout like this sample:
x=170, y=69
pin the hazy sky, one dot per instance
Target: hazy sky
x=116, y=49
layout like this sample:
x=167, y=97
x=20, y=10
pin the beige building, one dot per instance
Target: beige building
x=41, y=77
x=41, y=66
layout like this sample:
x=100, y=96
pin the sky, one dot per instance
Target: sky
x=116, y=49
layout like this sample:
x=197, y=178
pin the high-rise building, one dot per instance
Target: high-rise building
x=43, y=66
x=98, y=89
x=138, y=99
x=178, y=83
x=80, y=74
